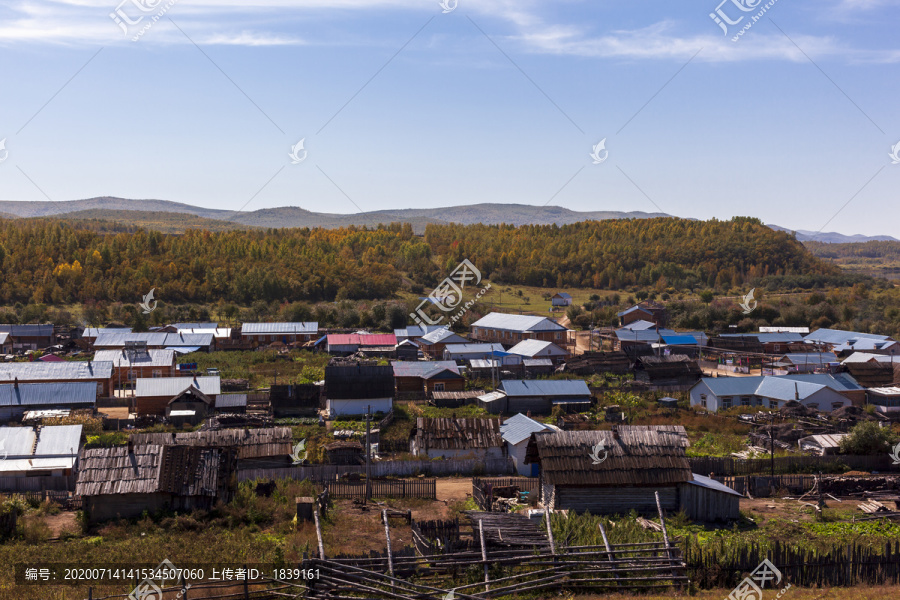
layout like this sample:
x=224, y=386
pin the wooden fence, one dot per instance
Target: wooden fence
x=482, y=488
x=36, y=484
x=384, y=488
x=386, y=468
x=259, y=589
x=727, y=467
x=840, y=566
x=67, y=500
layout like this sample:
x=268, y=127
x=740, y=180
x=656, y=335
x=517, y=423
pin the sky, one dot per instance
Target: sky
x=589, y=105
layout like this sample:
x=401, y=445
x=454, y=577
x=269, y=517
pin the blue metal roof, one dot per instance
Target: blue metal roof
x=28, y=330
x=519, y=428
x=280, y=328
x=65, y=370
x=416, y=330
x=680, y=340
x=422, y=368
x=777, y=386
x=48, y=394
x=545, y=387
x=840, y=336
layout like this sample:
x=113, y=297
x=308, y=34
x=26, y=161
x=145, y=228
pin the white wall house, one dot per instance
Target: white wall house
x=716, y=393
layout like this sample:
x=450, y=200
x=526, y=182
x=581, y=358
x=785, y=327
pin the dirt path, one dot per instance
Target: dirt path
x=451, y=490
x=64, y=521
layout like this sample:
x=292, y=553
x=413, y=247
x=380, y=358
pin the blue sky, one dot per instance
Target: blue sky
x=401, y=105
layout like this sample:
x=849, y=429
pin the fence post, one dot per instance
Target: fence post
x=246, y=586
x=183, y=588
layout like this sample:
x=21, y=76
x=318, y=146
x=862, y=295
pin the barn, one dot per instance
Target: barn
x=542, y=395
x=152, y=395
x=616, y=471
x=268, y=447
x=18, y=398
x=125, y=481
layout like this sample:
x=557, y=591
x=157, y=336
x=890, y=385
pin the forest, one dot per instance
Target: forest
x=46, y=261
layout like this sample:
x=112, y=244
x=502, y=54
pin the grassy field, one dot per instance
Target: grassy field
x=263, y=368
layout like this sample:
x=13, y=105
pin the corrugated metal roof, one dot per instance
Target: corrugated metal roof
x=473, y=348
x=421, y=368
x=442, y=336
x=892, y=390
x=823, y=440
x=416, y=330
x=864, y=357
x=17, y=441
x=747, y=386
x=67, y=370
x=767, y=338
x=281, y=328
x=782, y=389
x=95, y=331
x=866, y=344
x=712, y=484
x=218, y=332
x=160, y=340
x=58, y=439
x=152, y=358
x=172, y=386
x=49, y=394
x=491, y=396
x=840, y=336
x=231, y=400
x=563, y=295
x=207, y=325
x=533, y=347
x=679, y=340
x=28, y=330
x=521, y=323
x=803, y=330
x=545, y=387
x=537, y=362
x=519, y=428
x=628, y=311
x=639, y=325
x=806, y=358
x=356, y=339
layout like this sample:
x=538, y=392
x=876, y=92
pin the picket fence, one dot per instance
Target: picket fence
x=386, y=468
x=384, y=488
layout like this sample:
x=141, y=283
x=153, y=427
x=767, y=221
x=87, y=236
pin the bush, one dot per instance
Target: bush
x=867, y=438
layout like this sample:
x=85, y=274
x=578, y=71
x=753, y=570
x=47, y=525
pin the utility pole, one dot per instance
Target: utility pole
x=368, y=453
x=772, y=446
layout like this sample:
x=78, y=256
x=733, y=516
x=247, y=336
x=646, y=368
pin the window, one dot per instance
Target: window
x=814, y=406
x=100, y=388
x=157, y=373
x=439, y=387
x=703, y=402
x=726, y=402
x=836, y=405
x=745, y=401
x=773, y=404
x=558, y=334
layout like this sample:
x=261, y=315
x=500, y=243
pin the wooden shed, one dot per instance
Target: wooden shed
x=268, y=447
x=190, y=406
x=345, y=453
x=125, y=481
x=457, y=438
x=613, y=472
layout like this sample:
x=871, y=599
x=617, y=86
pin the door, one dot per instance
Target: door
x=535, y=469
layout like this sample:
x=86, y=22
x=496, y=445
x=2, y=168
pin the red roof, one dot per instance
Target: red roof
x=355, y=339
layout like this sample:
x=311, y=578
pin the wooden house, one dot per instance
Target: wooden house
x=509, y=330
x=190, y=406
x=354, y=389
x=614, y=472
x=540, y=349
x=231, y=404
x=540, y=396
x=268, y=447
x=98, y=373
x=152, y=395
x=674, y=369
x=286, y=333
x=761, y=343
x=29, y=337
x=414, y=332
x=296, y=400
x=125, y=481
x=131, y=365
x=427, y=377
x=433, y=343
x=645, y=311
x=457, y=438
x=560, y=300
x=181, y=343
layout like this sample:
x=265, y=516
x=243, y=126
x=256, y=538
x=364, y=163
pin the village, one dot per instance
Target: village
x=521, y=456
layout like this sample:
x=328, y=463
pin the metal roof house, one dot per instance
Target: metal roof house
x=806, y=362
x=561, y=299
x=152, y=395
x=414, y=332
x=516, y=432
x=614, y=472
x=434, y=342
x=457, y=438
x=125, y=481
x=17, y=399
x=286, y=333
x=644, y=311
x=350, y=343
x=28, y=337
x=427, y=377
x=131, y=365
x=886, y=399
x=540, y=396
x=540, y=349
x=511, y=329
x=639, y=325
x=100, y=373
x=820, y=392
x=472, y=351
x=45, y=457
x=180, y=342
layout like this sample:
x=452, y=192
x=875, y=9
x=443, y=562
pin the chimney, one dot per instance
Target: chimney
x=130, y=447
x=16, y=383
x=615, y=431
x=796, y=392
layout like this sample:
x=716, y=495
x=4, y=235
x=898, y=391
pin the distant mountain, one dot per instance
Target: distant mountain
x=122, y=210
x=833, y=237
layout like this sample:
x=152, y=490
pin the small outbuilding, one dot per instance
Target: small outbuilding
x=457, y=438
x=516, y=433
x=540, y=396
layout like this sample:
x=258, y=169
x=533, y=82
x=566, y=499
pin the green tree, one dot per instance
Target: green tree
x=868, y=438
